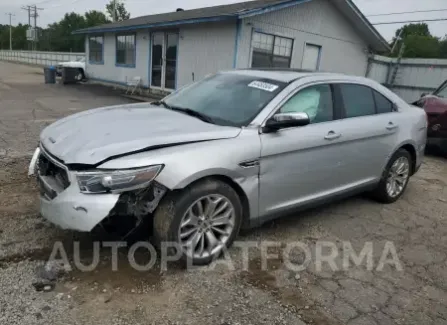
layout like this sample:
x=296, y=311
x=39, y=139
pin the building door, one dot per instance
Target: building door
x=164, y=60
x=311, y=57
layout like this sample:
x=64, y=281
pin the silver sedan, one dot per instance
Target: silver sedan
x=233, y=150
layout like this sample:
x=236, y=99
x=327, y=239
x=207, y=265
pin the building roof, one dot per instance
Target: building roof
x=237, y=11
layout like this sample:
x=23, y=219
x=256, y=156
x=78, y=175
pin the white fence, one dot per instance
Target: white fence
x=412, y=77
x=38, y=57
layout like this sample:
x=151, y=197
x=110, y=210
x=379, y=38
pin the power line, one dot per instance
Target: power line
x=408, y=21
x=406, y=12
x=63, y=4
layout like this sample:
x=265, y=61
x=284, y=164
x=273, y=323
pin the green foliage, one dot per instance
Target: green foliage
x=413, y=29
x=18, y=36
x=417, y=46
x=120, y=10
x=443, y=47
x=419, y=43
x=57, y=36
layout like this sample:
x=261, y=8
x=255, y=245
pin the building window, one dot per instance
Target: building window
x=125, y=50
x=311, y=57
x=271, y=51
x=95, y=49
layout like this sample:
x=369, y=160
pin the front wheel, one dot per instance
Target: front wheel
x=395, y=178
x=203, y=220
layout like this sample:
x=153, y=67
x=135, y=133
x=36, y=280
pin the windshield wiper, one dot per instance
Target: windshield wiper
x=194, y=113
x=162, y=103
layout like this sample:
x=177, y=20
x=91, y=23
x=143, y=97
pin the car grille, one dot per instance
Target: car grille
x=52, y=177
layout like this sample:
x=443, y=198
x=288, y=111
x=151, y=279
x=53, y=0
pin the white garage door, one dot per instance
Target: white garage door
x=311, y=57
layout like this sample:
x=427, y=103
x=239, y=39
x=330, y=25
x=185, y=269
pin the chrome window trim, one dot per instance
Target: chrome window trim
x=298, y=85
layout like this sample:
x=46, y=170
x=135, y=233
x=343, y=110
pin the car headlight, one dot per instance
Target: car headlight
x=117, y=180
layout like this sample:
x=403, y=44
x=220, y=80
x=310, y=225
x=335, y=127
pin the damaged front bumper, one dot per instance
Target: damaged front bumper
x=63, y=204
x=74, y=210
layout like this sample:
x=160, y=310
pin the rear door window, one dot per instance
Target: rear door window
x=358, y=100
x=383, y=104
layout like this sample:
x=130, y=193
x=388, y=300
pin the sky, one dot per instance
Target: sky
x=53, y=10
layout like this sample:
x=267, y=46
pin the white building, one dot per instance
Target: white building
x=173, y=49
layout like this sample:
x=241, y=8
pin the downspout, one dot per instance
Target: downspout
x=236, y=41
x=369, y=63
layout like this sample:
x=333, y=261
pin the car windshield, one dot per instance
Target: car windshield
x=227, y=98
x=441, y=91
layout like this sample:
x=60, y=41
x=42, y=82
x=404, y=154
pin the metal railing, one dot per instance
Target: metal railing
x=39, y=57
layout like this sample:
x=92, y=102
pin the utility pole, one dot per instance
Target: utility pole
x=10, y=14
x=35, y=15
x=28, y=8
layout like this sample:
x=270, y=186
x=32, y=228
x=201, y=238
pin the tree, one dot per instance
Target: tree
x=443, y=48
x=95, y=18
x=120, y=10
x=413, y=29
x=18, y=37
x=419, y=43
x=417, y=46
x=61, y=35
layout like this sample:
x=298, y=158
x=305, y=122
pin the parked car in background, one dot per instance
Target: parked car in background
x=435, y=105
x=233, y=150
x=79, y=63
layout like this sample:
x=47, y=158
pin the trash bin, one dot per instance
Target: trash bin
x=70, y=75
x=50, y=75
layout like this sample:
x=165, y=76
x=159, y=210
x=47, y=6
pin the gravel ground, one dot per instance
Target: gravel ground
x=416, y=225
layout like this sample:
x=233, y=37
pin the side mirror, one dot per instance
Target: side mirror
x=286, y=120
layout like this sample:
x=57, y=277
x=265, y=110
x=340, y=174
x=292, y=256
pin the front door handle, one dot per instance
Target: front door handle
x=391, y=126
x=332, y=135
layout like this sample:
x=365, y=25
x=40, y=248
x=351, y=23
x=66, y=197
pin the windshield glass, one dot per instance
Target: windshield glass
x=441, y=91
x=227, y=98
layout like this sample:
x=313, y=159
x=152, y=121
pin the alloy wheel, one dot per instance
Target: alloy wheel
x=398, y=177
x=206, y=226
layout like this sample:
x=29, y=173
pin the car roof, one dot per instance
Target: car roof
x=290, y=75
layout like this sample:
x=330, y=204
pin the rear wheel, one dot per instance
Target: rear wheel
x=202, y=219
x=395, y=178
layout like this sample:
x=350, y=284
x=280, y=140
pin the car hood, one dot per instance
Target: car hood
x=93, y=136
x=71, y=64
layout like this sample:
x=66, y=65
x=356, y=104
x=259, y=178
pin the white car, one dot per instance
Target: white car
x=79, y=63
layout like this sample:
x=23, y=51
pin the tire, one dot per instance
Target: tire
x=382, y=192
x=444, y=148
x=174, y=210
x=81, y=75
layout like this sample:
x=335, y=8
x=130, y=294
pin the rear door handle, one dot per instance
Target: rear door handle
x=332, y=135
x=391, y=126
